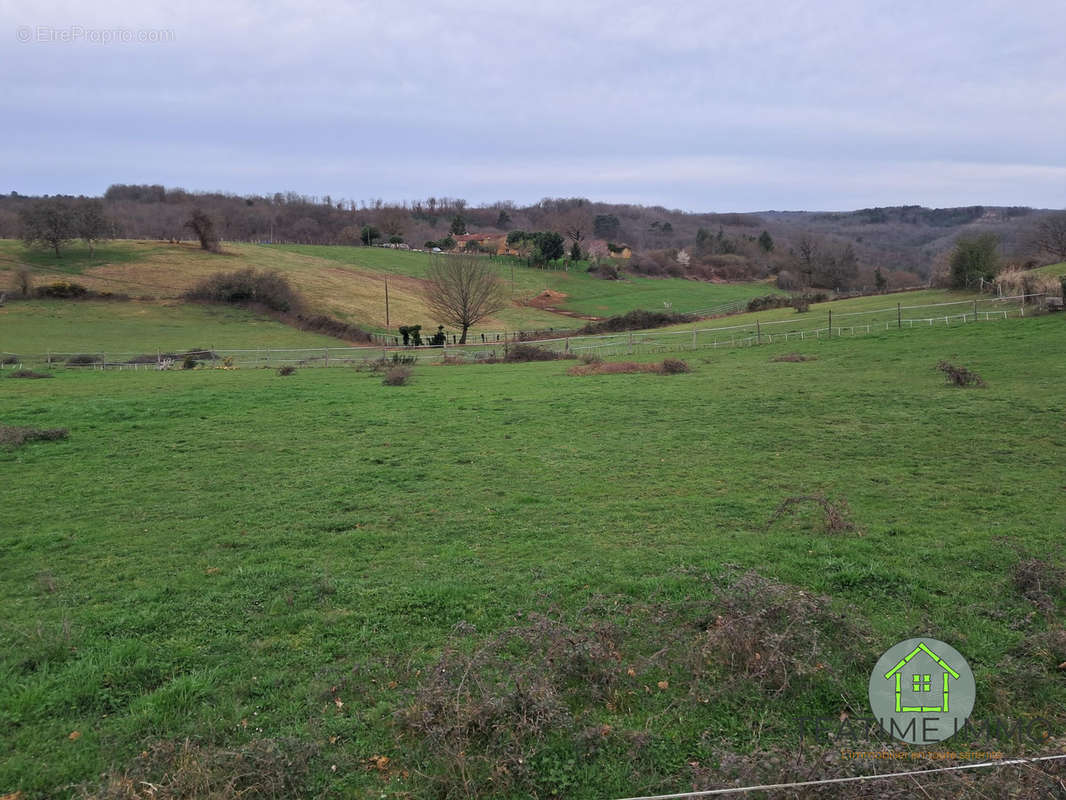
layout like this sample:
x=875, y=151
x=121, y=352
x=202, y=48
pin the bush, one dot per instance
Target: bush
x=397, y=376
x=83, y=360
x=801, y=302
x=189, y=362
x=959, y=376
x=673, y=366
x=62, y=290
x=288, y=369
x=247, y=287
x=636, y=321
x=29, y=373
x=10, y=360
x=16, y=435
x=328, y=326
x=529, y=352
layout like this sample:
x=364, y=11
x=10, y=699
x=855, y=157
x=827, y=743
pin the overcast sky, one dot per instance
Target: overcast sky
x=703, y=106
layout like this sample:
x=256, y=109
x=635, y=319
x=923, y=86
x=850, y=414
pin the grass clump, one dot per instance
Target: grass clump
x=17, y=435
x=793, y=358
x=169, y=770
x=288, y=369
x=29, y=373
x=1040, y=582
x=959, y=376
x=397, y=376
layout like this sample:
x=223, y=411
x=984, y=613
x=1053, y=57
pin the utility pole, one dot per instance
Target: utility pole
x=387, y=303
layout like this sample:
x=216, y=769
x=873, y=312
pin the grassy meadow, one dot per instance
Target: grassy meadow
x=504, y=580
x=349, y=282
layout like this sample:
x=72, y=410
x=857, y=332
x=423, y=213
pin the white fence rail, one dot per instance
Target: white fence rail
x=801, y=327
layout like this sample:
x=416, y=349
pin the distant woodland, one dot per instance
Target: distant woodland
x=892, y=247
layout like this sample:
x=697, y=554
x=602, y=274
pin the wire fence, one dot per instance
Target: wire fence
x=800, y=328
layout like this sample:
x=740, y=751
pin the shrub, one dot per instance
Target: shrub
x=529, y=352
x=959, y=376
x=673, y=366
x=636, y=320
x=328, y=326
x=29, y=373
x=83, y=360
x=10, y=360
x=801, y=304
x=16, y=435
x=397, y=376
x=63, y=290
x=247, y=287
x=189, y=362
x=288, y=369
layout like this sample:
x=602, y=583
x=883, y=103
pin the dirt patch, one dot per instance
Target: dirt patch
x=18, y=435
x=548, y=300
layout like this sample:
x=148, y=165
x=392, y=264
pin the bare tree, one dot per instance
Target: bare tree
x=462, y=291
x=91, y=224
x=1050, y=236
x=49, y=223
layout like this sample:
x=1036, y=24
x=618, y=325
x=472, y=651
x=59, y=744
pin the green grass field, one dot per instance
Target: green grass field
x=248, y=561
x=41, y=326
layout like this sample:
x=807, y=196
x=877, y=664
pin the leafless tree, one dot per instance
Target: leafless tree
x=1050, y=236
x=91, y=224
x=462, y=291
x=49, y=222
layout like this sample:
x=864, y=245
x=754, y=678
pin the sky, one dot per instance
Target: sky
x=699, y=106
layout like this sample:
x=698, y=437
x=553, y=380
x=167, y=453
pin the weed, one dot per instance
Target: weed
x=397, y=376
x=288, y=369
x=835, y=514
x=959, y=376
x=16, y=436
x=29, y=373
x=1040, y=583
x=167, y=770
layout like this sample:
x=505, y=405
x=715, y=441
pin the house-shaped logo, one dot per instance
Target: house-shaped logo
x=922, y=681
x=922, y=691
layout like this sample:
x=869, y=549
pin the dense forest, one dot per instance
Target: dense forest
x=899, y=245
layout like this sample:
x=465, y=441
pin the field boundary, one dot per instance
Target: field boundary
x=855, y=323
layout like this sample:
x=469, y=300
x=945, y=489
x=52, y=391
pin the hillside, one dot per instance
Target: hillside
x=349, y=282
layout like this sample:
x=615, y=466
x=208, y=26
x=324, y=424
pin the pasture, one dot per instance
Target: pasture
x=336, y=580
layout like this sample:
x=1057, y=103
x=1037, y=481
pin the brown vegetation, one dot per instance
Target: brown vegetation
x=17, y=435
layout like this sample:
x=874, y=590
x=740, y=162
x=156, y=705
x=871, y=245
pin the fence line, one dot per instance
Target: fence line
x=624, y=343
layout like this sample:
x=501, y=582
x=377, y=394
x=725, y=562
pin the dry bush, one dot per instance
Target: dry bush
x=288, y=369
x=959, y=376
x=29, y=373
x=247, y=287
x=1040, y=583
x=636, y=321
x=674, y=366
x=397, y=376
x=17, y=435
x=387, y=362
x=768, y=633
x=793, y=358
x=835, y=514
x=668, y=366
x=260, y=769
x=528, y=352
x=1013, y=282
